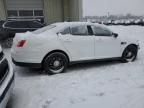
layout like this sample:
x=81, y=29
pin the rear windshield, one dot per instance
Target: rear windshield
x=41, y=30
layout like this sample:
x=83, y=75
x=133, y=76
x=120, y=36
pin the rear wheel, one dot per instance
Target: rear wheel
x=55, y=63
x=129, y=54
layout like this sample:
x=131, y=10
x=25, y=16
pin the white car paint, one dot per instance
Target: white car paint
x=7, y=84
x=78, y=48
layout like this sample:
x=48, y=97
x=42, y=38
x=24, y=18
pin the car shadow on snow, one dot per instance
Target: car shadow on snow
x=29, y=72
x=26, y=72
x=11, y=101
x=95, y=64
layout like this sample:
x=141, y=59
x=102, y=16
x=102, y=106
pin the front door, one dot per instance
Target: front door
x=106, y=45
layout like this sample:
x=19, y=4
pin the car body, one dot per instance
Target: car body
x=10, y=27
x=77, y=41
x=6, y=80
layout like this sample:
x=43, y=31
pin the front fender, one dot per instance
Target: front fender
x=128, y=43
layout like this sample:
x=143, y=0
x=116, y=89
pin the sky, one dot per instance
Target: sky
x=102, y=7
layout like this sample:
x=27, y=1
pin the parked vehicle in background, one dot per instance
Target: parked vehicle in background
x=142, y=22
x=139, y=22
x=56, y=46
x=117, y=22
x=109, y=22
x=1, y=27
x=6, y=80
x=9, y=28
x=127, y=22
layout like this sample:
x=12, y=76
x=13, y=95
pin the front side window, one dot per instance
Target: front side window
x=79, y=30
x=100, y=31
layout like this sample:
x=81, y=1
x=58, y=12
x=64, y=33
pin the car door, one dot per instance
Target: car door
x=78, y=42
x=106, y=45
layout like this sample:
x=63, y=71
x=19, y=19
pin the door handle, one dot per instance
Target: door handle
x=99, y=39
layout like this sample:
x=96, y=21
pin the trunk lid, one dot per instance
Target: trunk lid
x=21, y=36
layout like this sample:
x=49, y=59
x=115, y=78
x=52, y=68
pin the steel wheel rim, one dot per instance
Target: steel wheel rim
x=56, y=64
x=130, y=55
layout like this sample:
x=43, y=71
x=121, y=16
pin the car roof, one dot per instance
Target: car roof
x=71, y=23
x=61, y=25
x=64, y=24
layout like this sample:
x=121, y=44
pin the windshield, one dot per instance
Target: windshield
x=41, y=30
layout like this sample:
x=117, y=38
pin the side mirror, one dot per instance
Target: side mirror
x=115, y=35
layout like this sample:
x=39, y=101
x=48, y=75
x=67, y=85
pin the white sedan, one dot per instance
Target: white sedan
x=58, y=45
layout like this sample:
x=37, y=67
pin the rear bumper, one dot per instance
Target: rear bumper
x=26, y=57
x=30, y=65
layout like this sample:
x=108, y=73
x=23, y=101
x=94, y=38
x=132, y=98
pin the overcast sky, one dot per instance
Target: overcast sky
x=102, y=7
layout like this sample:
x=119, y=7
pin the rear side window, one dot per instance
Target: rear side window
x=65, y=31
x=79, y=30
x=43, y=29
x=100, y=31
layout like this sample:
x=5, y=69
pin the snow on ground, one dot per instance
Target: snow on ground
x=94, y=85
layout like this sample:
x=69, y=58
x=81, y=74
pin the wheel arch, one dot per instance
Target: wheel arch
x=132, y=44
x=53, y=51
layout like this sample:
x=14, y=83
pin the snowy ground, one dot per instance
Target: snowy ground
x=92, y=85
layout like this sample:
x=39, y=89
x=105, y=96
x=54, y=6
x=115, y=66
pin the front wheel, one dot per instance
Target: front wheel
x=55, y=63
x=129, y=54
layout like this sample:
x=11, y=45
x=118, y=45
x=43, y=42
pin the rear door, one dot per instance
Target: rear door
x=78, y=42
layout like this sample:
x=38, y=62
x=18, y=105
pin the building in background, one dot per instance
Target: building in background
x=47, y=10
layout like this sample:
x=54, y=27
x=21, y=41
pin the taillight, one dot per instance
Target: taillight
x=21, y=43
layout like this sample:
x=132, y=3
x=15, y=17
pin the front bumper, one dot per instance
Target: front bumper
x=6, y=87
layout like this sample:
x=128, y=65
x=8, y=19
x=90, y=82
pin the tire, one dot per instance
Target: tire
x=7, y=43
x=129, y=54
x=55, y=63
